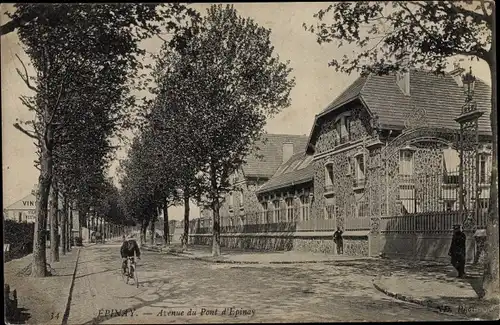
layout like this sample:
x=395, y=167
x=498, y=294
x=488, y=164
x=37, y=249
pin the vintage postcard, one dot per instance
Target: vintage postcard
x=249, y=162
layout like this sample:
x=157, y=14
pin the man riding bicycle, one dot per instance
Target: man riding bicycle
x=129, y=249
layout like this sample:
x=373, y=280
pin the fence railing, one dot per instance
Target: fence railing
x=431, y=222
x=266, y=222
x=316, y=225
x=360, y=223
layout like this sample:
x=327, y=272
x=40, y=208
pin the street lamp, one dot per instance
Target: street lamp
x=469, y=145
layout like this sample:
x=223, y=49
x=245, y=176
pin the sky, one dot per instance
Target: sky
x=316, y=86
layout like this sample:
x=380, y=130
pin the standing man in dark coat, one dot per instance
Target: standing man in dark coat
x=337, y=239
x=457, y=250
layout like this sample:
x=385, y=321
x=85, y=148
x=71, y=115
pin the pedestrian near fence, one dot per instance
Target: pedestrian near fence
x=339, y=242
x=457, y=250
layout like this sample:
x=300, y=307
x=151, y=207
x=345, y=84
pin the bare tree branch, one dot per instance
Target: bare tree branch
x=31, y=134
x=25, y=77
x=25, y=102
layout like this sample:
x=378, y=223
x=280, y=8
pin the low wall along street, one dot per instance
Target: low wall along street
x=421, y=236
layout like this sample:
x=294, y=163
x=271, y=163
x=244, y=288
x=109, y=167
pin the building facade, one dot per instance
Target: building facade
x=268, y=155
x=382, y=162
x=384, y=147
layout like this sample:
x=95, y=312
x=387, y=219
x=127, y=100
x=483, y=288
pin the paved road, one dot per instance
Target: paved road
x=169, y=287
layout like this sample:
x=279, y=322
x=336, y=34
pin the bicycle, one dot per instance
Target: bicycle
x=131, y=271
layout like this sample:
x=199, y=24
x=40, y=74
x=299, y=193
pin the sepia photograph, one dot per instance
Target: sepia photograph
x=256, y=162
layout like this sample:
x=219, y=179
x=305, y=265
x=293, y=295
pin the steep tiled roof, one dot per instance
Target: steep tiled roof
x=295, y=171
x=267, y=156
x=349, y=94
x=439, y=96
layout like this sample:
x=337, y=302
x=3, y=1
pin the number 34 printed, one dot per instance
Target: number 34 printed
x=54, y=315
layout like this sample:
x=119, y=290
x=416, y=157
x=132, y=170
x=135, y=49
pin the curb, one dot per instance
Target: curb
x=71, y=287
x=426, y=303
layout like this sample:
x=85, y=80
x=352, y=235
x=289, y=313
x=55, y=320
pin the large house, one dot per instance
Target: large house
x=381, y=163
x=385, y=145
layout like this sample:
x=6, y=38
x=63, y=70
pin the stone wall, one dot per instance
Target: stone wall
x=422, y=246
x=356, y=246
x=262, y=243
x=323, y=245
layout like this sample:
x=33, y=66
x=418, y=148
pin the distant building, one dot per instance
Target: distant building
x=22, y=210
x=268, y=155
x=287, y=196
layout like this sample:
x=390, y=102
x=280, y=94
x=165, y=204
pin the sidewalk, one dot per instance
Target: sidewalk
x=438, y=287
x=239, y=256
x=42, y=300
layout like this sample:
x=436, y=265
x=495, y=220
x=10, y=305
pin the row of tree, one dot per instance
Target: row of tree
x=215, y=86
x=86, y=61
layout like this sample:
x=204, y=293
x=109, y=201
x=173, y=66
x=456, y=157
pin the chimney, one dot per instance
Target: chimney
x=287, y=151
x=403, y=78
x=456, y=74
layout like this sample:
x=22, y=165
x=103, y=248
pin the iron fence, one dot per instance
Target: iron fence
x=283, y=220
x=429, y=222
x=440, y=192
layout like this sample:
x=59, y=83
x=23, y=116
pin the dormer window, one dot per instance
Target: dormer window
x=342, y=127
x=337, y=127
x=346, y=129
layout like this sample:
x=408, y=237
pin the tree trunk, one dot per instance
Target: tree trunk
x=166, y=228
x=70, y=227
x=144, y=228
x=101, y=227
x=153, y=232
x=216, y=227
x=54, y=224
x=80, y=222
x=215, y=215
x=491, y=267
x=185, y=236
x=64, y=226
x=89, y=225
x=39, y=265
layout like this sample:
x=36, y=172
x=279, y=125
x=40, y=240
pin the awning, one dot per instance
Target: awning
x=451, y=160
x=356, y=233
